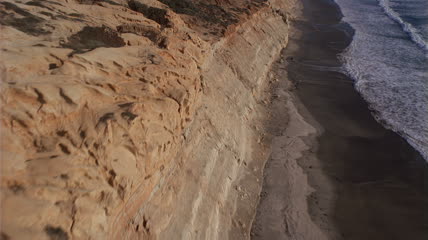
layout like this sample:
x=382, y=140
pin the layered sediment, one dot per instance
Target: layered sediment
x=137, y=119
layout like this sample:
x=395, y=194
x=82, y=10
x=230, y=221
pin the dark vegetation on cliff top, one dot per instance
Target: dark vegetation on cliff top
x=212, y=16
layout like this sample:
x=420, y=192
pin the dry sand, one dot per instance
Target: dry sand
x=283, y=211
x=339, y=174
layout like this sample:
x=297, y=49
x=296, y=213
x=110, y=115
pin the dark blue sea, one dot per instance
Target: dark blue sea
x=388, y=59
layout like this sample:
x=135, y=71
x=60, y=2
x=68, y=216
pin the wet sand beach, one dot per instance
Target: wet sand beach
x=365, y=182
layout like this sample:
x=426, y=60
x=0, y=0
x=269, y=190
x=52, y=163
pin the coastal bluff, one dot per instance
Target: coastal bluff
x=139, y=119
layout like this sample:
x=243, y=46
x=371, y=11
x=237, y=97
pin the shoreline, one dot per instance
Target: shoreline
x=152, y=120
x=360, y=180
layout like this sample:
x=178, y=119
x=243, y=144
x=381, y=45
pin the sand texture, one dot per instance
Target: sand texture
x=355, y=178
x=137, y=119
x=283, y=211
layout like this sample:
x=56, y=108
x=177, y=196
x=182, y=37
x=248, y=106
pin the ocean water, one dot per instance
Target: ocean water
x=388, y=59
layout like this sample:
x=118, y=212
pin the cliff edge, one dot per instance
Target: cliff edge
x=139, y=119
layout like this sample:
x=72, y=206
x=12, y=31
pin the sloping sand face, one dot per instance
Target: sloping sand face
x=134, y=119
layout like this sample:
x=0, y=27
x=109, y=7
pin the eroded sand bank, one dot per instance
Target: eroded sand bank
x=136, y=119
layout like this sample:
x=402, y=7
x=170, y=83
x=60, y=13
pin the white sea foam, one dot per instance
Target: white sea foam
x=407, y=27
x=390, y=71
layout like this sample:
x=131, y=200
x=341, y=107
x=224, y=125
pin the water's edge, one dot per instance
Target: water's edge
x=369, y=182
x=387, y=59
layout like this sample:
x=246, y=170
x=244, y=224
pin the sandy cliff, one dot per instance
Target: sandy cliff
x=134, y=119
